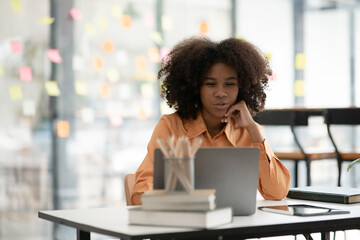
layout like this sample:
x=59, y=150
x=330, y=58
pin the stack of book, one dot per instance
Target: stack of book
x=180, y=209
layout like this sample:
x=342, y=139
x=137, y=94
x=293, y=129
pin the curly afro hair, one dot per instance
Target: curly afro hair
x=189, y=61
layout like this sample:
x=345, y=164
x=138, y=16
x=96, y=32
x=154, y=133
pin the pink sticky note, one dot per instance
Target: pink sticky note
x=54, y=55
x=25, y=73
x=75, y=14
x=149, y=20
x=16, y=47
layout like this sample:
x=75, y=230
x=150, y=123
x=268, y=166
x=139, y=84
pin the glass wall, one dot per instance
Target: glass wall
x=79, y=95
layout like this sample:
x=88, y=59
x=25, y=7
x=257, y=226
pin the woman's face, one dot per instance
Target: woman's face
x=218, y=91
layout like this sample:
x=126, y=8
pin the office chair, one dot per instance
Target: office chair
x=129, y=182
x=342, y=116
x=293, y=118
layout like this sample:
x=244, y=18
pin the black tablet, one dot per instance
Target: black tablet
x=302, y=210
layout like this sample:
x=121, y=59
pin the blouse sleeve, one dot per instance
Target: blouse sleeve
x=274, y=178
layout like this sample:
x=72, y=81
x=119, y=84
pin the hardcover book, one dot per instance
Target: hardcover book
x=193, y=219
x=326, y=194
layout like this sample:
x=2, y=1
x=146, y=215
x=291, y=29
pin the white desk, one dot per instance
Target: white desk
x=113, y=221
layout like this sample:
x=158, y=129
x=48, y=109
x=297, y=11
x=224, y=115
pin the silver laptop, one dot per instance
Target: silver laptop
x=233, y=172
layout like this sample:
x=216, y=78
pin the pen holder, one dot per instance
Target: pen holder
x=179, y=174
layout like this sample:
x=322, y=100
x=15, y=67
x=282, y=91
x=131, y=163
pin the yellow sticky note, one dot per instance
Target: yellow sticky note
x=105, y=90
x=63, y=129
x=268, y=56
x=108, y=46
x=154, y=55
x=52, y=88
x=113, y=75
x=147, y=90
x=98, y=63
x=103, y=23
x=29, y=107
x=140, y=62
x=1, y=70
x=81, y=87
x=240, y=37
x=203, y=28
x=46, y=20
x=300, y=61
x=167, y=23
x=15, y=92
x=16, y=6
x=116, y=11
x=299, y=88
x=156, y=37
x=90, y=28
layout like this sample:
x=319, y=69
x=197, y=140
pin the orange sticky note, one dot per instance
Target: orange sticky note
x=142, y=114
x=75, y=14
x=154, y=54
x=46, y=20
x=52, y=88
x=203, y=28
x=98, y=63
x=63, y=129
x=54, y=55
x=25, y=73
x=126, y=21
x=140, y=62
x=105, y=90
x=108, y=46
x=15, y=92
x=16, y=47
x=16, y=6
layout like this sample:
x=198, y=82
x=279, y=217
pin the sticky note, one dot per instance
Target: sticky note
x=116, y=120
x=167, y=23
x=87, y=115
x=78, y=63
x=52, y=88
x=142, y=114
x=273, y=77
x=108, y=46
x=149, y=20
x=147, y=90
x=299, y=88
x=16, y=47
x=54, y=55
x=240, y=37
x=122, y=57
x=90, y=28
x=1, y=70
x=156, y=37
x=113, y=75
x=25, y=73
x=16, y=6
x=164, y=53
x=126, y=21
x=140, y=62
x=268, y=56
x=29, y=107
x=154, y=55
x=81, y=87
x=103, y=23
x=15, y=92
x=300, y=61
x=46, y=20
x=203, y=28
x=105, y=90
x=116, y=11
x=75, y=14
x=98, y=63
x=63, y=129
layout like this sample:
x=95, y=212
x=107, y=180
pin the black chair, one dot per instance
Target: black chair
x=294, y=118
x=342, y=116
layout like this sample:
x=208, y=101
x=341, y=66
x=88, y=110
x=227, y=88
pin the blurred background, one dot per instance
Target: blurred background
x=79, y=95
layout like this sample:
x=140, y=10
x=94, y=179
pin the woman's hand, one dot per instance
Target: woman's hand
x=241, y=114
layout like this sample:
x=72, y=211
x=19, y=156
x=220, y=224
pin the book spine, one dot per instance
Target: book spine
x=318, y=197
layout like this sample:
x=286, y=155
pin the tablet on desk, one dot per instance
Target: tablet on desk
x=302, y=210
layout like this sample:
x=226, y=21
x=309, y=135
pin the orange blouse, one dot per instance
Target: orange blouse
x=274, y=178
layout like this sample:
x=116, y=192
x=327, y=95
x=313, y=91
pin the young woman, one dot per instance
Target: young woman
x=215, y=89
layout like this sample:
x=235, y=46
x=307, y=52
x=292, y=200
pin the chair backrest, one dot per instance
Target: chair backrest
x=129, y=182
x=282, y=117
x=342, y=116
